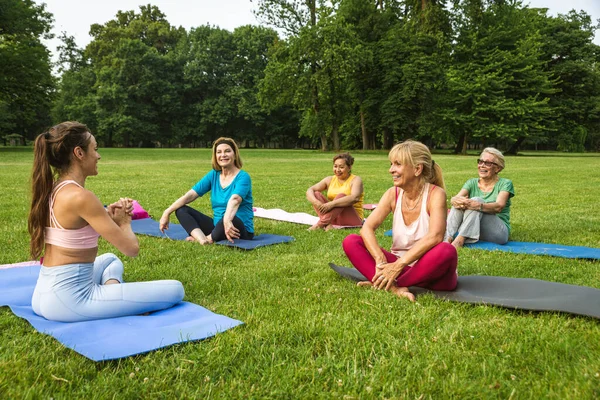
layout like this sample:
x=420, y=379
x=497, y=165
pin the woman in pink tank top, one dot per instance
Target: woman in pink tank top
x=65, y=221
x=344, y=201
x=419, y=256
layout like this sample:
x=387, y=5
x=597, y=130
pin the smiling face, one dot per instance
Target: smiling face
x=341, y=169
x=402, y=174
x=487, y=166
x=225, y=155
x=90, y=158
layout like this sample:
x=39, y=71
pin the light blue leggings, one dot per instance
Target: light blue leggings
x=76, y=292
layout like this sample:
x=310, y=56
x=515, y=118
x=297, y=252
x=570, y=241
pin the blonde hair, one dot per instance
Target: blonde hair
x=413, y=153
x=497, y=155
x=236, y=152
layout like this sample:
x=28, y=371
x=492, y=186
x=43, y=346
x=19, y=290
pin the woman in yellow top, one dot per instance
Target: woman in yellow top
x=345, y=193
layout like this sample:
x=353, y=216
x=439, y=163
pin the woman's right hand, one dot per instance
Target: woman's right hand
x=459, y=202
x=164, y=222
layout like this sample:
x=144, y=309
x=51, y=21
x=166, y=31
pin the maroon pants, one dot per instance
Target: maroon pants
x=343, y=216
x=435, y=270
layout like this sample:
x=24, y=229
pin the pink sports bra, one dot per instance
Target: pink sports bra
x=55, y=234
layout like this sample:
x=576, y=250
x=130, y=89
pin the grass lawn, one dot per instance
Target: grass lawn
x=307, y=332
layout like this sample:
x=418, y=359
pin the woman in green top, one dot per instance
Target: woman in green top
x=481, y=210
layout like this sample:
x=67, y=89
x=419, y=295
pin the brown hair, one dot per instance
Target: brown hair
x=52, y=152
x=348, y=159
x=236, y=152
x=411, y=152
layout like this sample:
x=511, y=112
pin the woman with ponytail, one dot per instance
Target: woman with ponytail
x=417, y=200
x=65, y=221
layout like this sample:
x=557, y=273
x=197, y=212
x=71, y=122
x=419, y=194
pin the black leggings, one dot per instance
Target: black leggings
x=192, y=219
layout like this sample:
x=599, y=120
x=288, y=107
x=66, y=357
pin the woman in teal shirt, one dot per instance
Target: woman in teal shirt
x=231, y=200
x=481, y=210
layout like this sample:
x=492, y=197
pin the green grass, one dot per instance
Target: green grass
x=309, y=333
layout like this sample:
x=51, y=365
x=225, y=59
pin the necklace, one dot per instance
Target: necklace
x=416, y=201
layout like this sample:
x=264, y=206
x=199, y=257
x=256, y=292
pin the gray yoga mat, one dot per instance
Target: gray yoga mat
x=517, y=293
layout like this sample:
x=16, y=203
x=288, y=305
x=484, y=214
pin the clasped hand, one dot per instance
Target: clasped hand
x=385, y=275
x=463, y=203
x=324, y=207
x=121, y=211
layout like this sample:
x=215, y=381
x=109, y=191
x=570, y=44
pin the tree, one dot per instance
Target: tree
x=414, y=56
x=498, y=89
x=297, y=18
x=572, y=60
x=75, y=99
x=26, y=82
x=139, y=75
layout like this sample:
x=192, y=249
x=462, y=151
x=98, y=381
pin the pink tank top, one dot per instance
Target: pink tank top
x=55, y=234
x=404, y=237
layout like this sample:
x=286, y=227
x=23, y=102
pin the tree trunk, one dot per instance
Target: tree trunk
x=324, y=146
x=461, y=145
x=514, y=149
x=388, y=138
x=335, y=136
x=363, y=129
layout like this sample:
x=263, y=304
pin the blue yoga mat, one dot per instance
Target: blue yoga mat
x=109, y=339
x=149, y=227
x=545, y=249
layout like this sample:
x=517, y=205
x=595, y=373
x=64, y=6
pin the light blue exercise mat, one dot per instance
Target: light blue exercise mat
x=149, y=227
x=543, y=249
x=113, y=338
x=516, y=293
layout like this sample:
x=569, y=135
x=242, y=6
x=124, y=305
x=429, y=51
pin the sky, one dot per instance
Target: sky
x=76, y=16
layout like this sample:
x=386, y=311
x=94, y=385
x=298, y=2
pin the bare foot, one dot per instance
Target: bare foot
x=402, y=292
x=315, y=227
x=328, y=227
x=112, y=282
x=193, y=239
x=459, y=242
x=364, y=283
x=448, y=239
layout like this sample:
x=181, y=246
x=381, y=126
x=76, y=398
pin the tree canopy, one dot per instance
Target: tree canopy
x=335, y=74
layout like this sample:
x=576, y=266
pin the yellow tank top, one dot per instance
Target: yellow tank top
x=335, y=188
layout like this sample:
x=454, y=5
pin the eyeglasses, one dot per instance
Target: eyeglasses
x=488, y=164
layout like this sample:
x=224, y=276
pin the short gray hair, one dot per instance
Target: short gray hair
x=497, y=154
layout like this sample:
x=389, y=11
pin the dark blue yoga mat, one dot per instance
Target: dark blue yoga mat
x=109, y=339
x=261, y=240
x=517, y=293
x=149, y=227
x=544, y=249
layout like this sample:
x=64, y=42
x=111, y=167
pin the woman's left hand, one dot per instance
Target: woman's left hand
x=231, y=231
x=472, y=204
x=325, y=208
x=386, y=275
